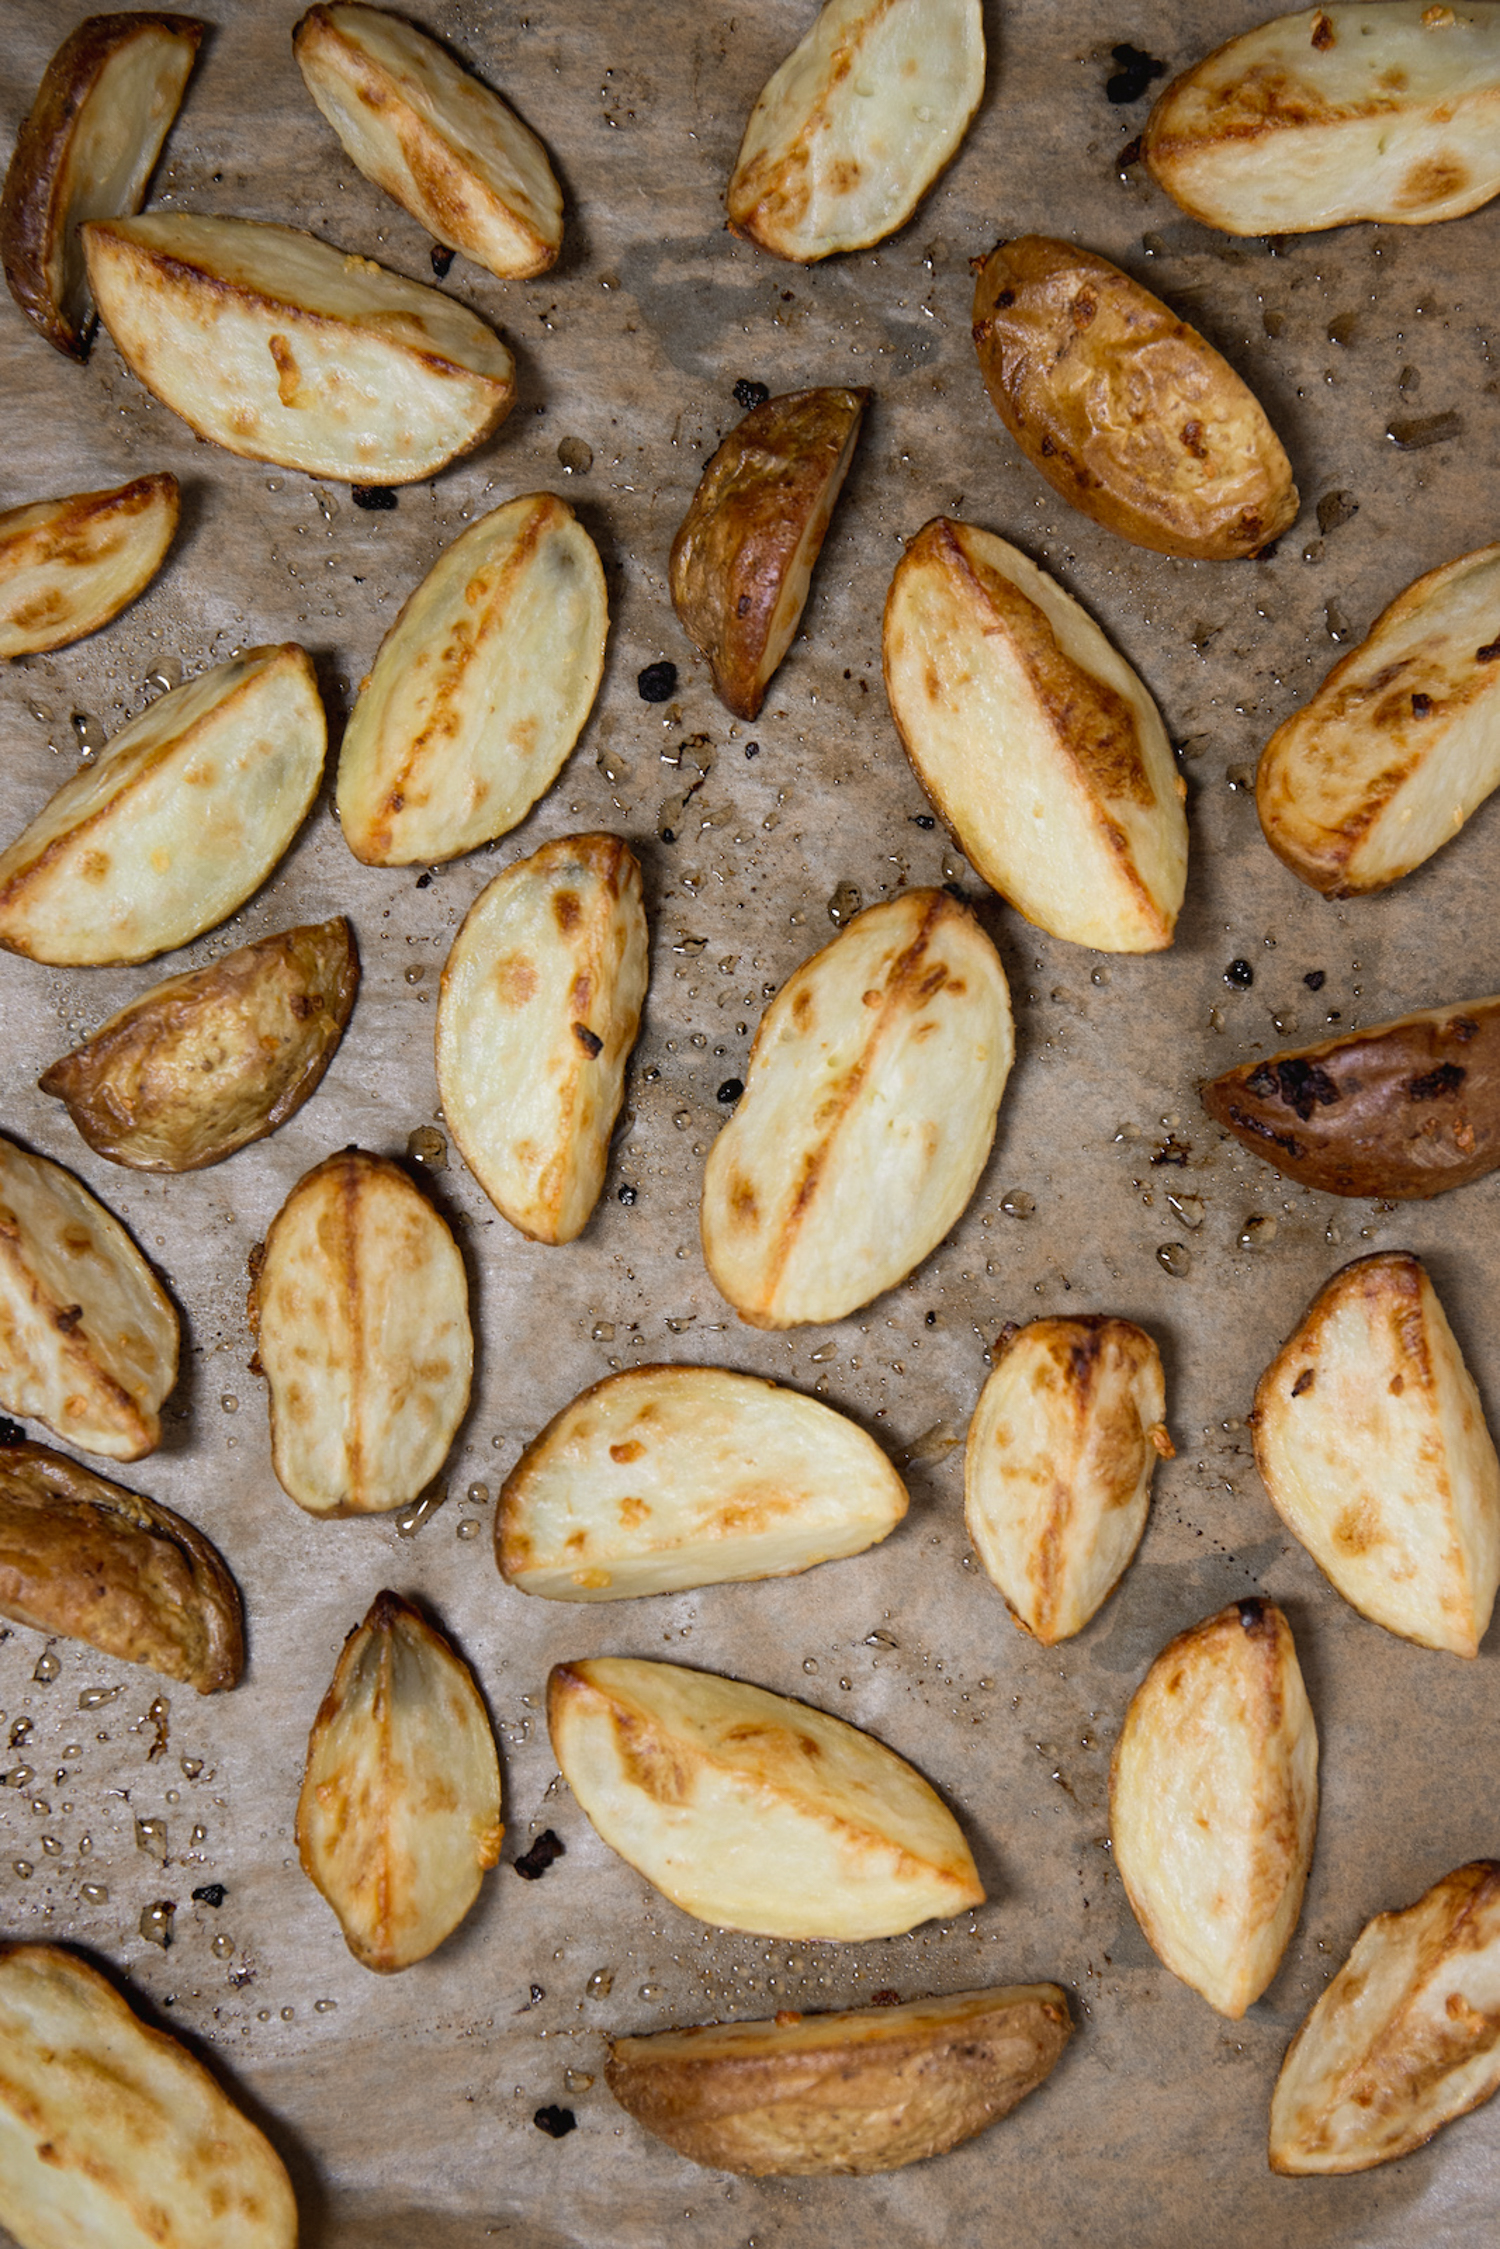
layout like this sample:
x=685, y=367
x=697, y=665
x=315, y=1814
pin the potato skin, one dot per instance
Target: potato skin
x=68, y=566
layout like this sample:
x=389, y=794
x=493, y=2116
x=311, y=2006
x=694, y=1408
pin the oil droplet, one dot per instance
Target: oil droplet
x=192, y=1767
x=824, y=1353
x=91, y=736
x=47, y=1668
x=879, y=1639
x=263, y=2014
x=933, y=1444
x=23, y=1867
x=577, y=2080
x=1189, y=1208
x=85, y=1846
x=683, y=1119
x=159, y=1715
x=22, y=1777
x=844, y=904
x=411, y=1519
x=52, y=1847
x=576, y=457
x=1017, y=1205
x=156, y=1922
x=1331, y=1233
x=427, y=1147
x=19, y=1731
x=93, y=1893
x=167, y=675
x=1257, y=1232
x=1099, y=976
x=151, y=1837
x=809, y=1663
x=94, y=1698
x=478, y=1494
x=602, y=1331
x=1173, y=1258
x=229, y=1403
x=600, y=1984
x=199, y=1835
x=415, y=975
x=288, y=2014
x=222, y=1946
x=468, y=1530
x=649, y=1990
x=324, y=2006
x=1241, y=779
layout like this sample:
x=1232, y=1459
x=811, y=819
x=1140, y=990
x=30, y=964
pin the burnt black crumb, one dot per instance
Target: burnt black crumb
x=657, y=683
x=669, y=835
x=1261, y=1081
x=923, y=820
x=752, y=749
x=1253, y=1614
x=11, y=1432
x=556, y=2122
x=1173, y=1151
x=731, y=1090
x=1489, y=652
x=1258, y=1128
x=1130, y=154
x=589, y=1040
x=886, y=1999
x=442, y=258
x=379, y=499
x=1304, y=1086
x=1420, y=705
x=533, y=1864
x=1134, y=74
x=955, y=890
x=424, y=881
x=1304, y=1382
x=212, y=1893
x=627, y=1196
x=1315, y=979
x=932, y=1319
x=1446, y=1078
x=1240, y=974
x=748, y=394
x=1463, y=1028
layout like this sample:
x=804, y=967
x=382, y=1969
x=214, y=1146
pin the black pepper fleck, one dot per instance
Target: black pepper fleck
x=748, y=394
x=1240, y=974
x=556, y=2122
x=627, y=1196
x=752, y=749
x=923, y=820
x=212, y=1893
x=1315, y=979
x=657, y=683
x=731, y=1090
x=379, y=499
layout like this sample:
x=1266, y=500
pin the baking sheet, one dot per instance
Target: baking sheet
x=404, y=2106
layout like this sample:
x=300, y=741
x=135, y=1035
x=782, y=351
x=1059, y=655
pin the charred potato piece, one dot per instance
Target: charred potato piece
x=210, y=1061
x=1370, y=1439
x=86, y=151
x=753, y=1811
x=1038, y=744
x=868, y=2090
x=743, y=558
x=1123, y=408
x=68, y=566
x=1214, y=1802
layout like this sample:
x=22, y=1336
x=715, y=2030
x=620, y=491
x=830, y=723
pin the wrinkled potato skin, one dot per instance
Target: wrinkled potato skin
x=1124, y=408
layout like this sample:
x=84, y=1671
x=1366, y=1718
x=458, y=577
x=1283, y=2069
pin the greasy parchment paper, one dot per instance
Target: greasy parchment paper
x=404, y=2106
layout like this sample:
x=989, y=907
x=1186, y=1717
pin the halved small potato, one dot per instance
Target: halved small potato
x=88, y=1558
x=282, y=349
x=86, y=151
x=1037, y=743
x=851, y=131
x=399, y=1815
x=480, y=690
x=68, y=566
x=863, y=2091
x=1370, y=1439
x=1334, y=114
x=1057, y=1475
x=868, y=1113
x=1214, y=1802
x=663, y=1478
x=449, y=151
x=184, y=814
x=540, y=1004
x=743, y=557
x=360, y=1305
x=88, y=1336
x=1405, y=2038
x=753, y=1811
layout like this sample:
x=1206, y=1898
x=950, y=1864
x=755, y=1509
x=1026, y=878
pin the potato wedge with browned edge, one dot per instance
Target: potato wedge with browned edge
x=1403, y=1110
x=869, y=1109
x=1038, y=744
x=280, y=348
x=1124, y=408
x=1371, y=1441
x=1382, y=111
x=88, y=1336
x=68, y=566
x=112, y=2136
x=753, y=1811
x=1404, y=2039
x=447, y=149
x=850, y=132
x=743, y=557
x=86, y=1557
x=399, y=1815
x=1214, y=1802
x=866, y=2090
x=86, y=151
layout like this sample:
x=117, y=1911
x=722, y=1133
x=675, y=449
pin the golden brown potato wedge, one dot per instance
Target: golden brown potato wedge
x=448, y=150
x=851, y=131
x=86, y=151
x=85, y=1557
x=867, y=2090
x=1405, y=2038
x=743, y=557
x=361, y=1307
x=68, y=566
x=207, y=1062
x=399, y=1815
x=88, y=1338
x=869, y=1108
x=282, y=349
x=111, y=2135
x=1123, y=408
x=1214, y=1802
x=1370, y=1439
x=1037, y=743
x=753, y=1811
x=1057, y=1475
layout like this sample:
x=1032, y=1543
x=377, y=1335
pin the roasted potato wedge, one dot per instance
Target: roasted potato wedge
x=207, y=1062
x=1123, y=408
x=86, y=151
x=361, y=1307
x=753, y=1811
x=540, y=1004
x=399, y=1815
x=68, y=566
x=743, y=557
x=282, y=349
x=868, y=1113
x=480, y=690
x=88, y=1337
x=1037, y=743
x=111, y=2135
x=1336, y=113
x=662, y=1478
x=183, y=816
x=446, y=148
x=1405, y=2038
x=851, y=131
x=1057, y=1474
x=868, y=2090
x=1371, y=1441
x=85, y=1557
x=1404, y=1109
x=1214, y=1802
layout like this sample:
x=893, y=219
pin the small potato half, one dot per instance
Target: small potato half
x=68, y=566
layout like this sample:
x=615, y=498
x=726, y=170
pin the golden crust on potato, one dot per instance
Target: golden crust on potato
x=67, y=566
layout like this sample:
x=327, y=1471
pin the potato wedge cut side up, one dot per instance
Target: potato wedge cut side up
x=68, y=566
